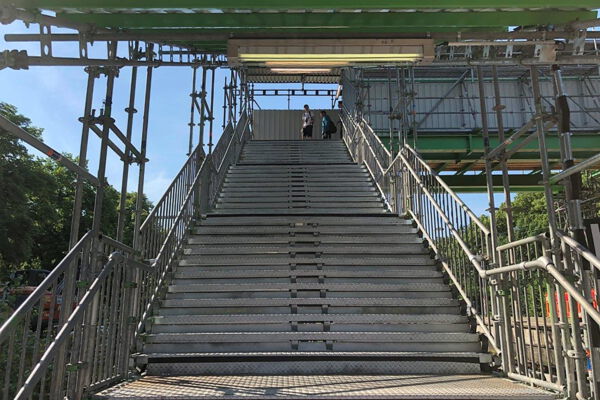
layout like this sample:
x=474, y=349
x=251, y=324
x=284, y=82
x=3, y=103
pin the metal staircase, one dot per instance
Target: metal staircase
x=274, y=270
x=300, y=272
x=296, y=290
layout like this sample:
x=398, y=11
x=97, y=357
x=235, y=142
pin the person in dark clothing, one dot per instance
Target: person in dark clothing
x=307, y=123
x=327, y=126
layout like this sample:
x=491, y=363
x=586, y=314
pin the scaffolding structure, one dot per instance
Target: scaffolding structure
x=492, y=111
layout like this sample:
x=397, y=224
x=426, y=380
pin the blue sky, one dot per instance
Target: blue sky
x=53, y=98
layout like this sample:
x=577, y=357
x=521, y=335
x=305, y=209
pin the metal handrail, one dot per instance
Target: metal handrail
x=411, y=176
x=164, y=249
x=42, y=288
x=48, y=320
x=472, y=309
x=194, y=155
x=447, y=188
x=579, y=249
x=551, y=353
x=197, y=198
x=472, y=257
x=100, y=357
x=546, y=263
x=36, y=374
x=379, y=165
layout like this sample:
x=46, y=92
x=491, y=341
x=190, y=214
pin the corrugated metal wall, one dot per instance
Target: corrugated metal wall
x=460, y=110
x=286, y=124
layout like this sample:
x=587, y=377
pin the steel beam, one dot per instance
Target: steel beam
x=331, y=21
x=110, y=84
x=31, y=140
x=203, y=35
x=142, y=172
x=85, y=133
x=478, y=183
x=34, y=61
x=124, y=179
x=284, y=5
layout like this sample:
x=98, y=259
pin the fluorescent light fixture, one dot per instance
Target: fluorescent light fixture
x=301, y=70
x=375, y=57
x=306, y=53
x=305, y=64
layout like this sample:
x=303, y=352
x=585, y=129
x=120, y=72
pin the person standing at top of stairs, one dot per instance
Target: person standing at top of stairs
x=307, y=123
x=327, y=126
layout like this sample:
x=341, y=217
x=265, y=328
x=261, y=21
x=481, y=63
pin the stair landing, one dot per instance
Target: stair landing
x=398, y=387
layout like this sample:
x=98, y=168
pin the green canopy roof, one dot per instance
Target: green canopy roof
x=223, y=19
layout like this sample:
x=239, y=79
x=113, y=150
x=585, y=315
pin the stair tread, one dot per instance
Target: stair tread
x=359, y=287
x=371, y=318
x=325, y=272
x=185, y=337
x=336, y=354
x=340, y=301
x=342, y=386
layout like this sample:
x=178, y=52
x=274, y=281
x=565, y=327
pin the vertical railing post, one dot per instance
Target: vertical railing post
x=202, y=107
x=572, y=344
x=85, y=131
x=507, y=282
x=576, y=227
x=192, y=123
x=499, y=306
x=211, y=116
x=111, y=73
x=139, y=205
x=124, y=179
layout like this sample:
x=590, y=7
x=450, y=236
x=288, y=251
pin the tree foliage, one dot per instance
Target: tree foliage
x=37, y=197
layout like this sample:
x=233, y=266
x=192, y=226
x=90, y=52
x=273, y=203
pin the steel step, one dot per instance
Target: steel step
x=311, y=341
x=299, y=211
x=303, y=230
x=269, y=207
x=338, y=287
x=324, y=273
x=320, y=380
x=233, y=193
x=303, y=247
x=298, y=221
x=403, y=240
x=431, y=319
x=310, y=322
x=305, y=258
x=312, y=200
x=310, y=305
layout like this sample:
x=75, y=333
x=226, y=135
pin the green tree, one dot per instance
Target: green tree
x=37, y=197
x=19, y=179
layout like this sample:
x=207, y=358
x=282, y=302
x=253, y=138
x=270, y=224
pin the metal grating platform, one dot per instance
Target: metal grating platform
x=430, y=387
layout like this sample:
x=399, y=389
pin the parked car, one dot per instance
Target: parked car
x=22, y=284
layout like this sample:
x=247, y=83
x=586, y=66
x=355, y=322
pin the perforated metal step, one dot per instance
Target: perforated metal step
x=450, y=386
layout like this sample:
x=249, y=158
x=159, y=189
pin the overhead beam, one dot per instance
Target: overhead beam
x=331, y=21
x=310, y=4
x=460, y=143
x=477, y=183
x=199, y=36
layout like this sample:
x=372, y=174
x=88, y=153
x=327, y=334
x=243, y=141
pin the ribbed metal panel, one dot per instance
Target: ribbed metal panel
x=285, y=124
x=460, y=110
